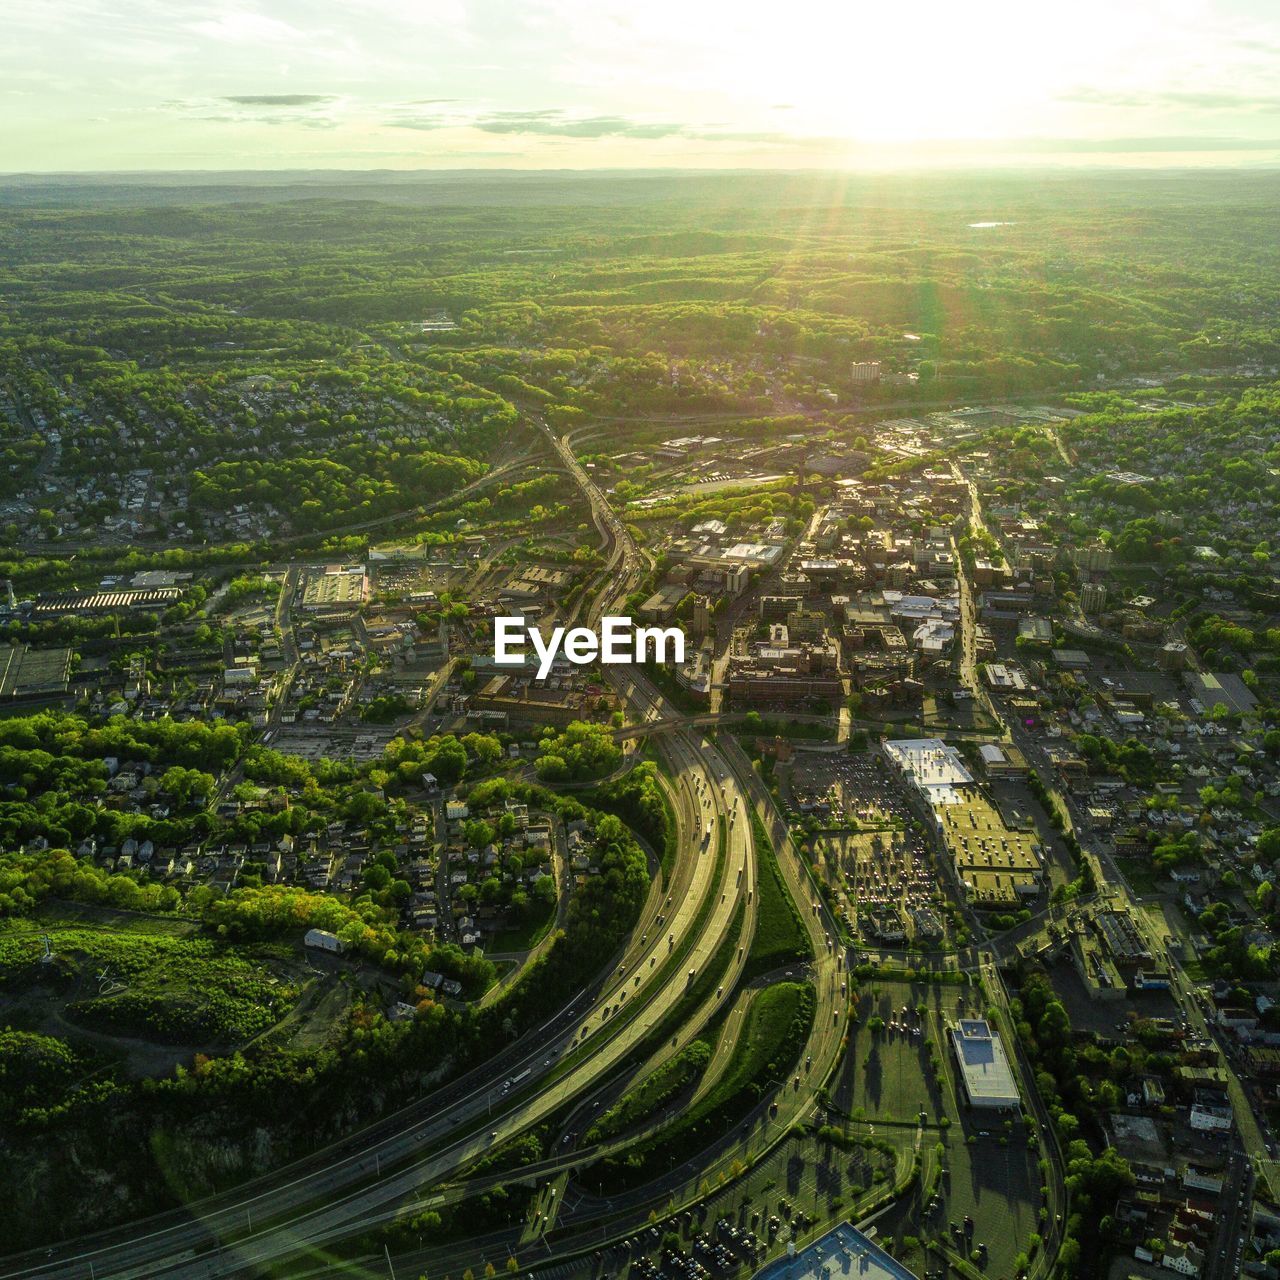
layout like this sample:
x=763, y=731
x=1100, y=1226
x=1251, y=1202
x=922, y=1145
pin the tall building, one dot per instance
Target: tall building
x=1093, y=597
x=1095, y=558
x=700, y=622
x=865, y=371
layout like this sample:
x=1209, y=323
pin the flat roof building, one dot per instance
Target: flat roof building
x=934, y=766
x=335, y=587
x=844, y=1253
x=984, y=1067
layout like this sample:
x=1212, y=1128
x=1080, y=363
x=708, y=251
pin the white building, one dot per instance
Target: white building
x=984, y=1068
x=323, y=940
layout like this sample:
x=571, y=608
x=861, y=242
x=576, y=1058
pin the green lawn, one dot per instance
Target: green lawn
x=780, y=937
x=654, y=1092
x=1141, y=875
x=528, y=933
x=767, y=1047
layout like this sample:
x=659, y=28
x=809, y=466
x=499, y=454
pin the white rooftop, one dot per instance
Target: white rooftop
x=933, y=766
x=983, y=1064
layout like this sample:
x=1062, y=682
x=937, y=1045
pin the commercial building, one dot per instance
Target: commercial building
x=1005, y=678
x=338, y=587
x=85, y=602
x=1036, y=631
x=843, y=1253
x=1071, y=659
x=936, y=768
x=864, y=371
x=1209, y=688
x=1002, y=760
x=518, y=699
x=37, y=674
x=984, y=1067
x=995, y=866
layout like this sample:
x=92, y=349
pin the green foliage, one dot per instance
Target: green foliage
x=175, y=990
x=448, y=758
x=385, y=708
x=771, y=1041
x=655, y=1092
x=1132, y=759
x=579, y=753
x=780, y=936
x=639, y=800
x=38, y=1076
x=248, y=586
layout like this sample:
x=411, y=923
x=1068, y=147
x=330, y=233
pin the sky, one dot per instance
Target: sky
x=419, y=84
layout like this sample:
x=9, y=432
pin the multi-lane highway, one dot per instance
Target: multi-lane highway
x=583, y=1044
x=370, y=1179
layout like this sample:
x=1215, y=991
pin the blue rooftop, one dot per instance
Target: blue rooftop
x=844, y=1253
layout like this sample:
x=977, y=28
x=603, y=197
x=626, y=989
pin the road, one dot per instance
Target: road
x=369, y=1178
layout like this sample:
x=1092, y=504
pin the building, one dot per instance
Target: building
x=765, y=683
x=1093, y=597
x=1035, y=631
x=864, y=371
x=935, y=767
x=323, y=940
x=994, y=865
x=338, y=587
x=1004, y=678
x=843, y=1253
x=51, y=604
x=1211, y=688
x=776, y=608
x=984, y=1067
x=700, y=622
x=37, y=674
x=1071, y=659
x=1172, y=656
x=1094, y=558
x=661, y=606
x=1097, y=972
x=517, y=699
x=1002, y=760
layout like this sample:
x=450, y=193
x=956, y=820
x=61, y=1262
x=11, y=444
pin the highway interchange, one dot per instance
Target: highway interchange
x=370, y=1178
x=589, y=1053
x=585, y=1057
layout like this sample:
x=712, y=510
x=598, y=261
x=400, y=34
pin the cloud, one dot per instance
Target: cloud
x=1202, y=100
x=278, y=99
x=555, y=123
x=1184, y=142
x=239, y=26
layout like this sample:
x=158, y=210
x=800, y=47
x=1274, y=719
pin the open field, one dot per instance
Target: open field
x=885, y=1079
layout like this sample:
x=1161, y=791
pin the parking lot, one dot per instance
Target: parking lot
x=990, y=1176
x=890, y=882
